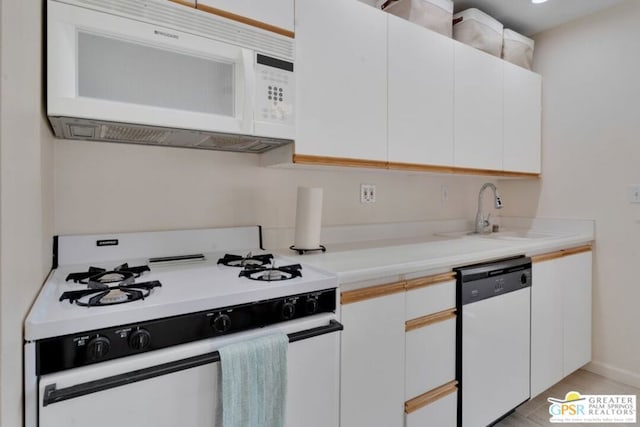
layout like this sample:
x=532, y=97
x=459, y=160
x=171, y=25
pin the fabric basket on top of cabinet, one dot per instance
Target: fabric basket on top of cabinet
x=517, y=49
x=435, y=15
x=477, y=29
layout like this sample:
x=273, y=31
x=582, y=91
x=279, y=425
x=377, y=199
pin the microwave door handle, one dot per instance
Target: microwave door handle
x=248, y=86
x=52, y=394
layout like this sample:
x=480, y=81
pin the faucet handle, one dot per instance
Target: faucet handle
x=485, y=222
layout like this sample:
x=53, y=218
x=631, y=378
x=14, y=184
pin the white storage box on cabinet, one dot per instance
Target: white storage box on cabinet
x=517, y=49
x=477, y=29
x=435, y=15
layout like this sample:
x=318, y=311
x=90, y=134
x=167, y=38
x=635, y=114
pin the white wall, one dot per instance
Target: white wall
x=106, y=187
x=591, y=153
x=26, y=184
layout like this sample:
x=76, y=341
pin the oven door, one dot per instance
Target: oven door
x=106, y=67
x=178, y=386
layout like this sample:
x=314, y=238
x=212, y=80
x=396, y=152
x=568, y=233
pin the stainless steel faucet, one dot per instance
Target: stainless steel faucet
x=481, y=221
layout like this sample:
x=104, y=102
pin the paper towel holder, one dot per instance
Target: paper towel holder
x=303, y=251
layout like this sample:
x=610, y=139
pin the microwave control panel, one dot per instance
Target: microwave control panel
x=275, y=91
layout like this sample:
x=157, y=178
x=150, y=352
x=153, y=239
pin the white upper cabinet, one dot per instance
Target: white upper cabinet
x=278, y=13
x=420, y=95
x=341, y=73
x=478, y=112
x=522, y=119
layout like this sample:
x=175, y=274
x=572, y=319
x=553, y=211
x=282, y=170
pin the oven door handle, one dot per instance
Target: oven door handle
x=54, y=395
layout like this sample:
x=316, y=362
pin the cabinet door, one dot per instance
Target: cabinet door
x=575, y=273
x=522, y=119
x=478, y=109
x=547, y=331
x=430, y=357
x=420, y=95
x=278, y=13
x=313, y=391
x=341, y=60
x=372, y=370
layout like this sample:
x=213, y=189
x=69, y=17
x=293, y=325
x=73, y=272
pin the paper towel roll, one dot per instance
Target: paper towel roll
x=308, y=218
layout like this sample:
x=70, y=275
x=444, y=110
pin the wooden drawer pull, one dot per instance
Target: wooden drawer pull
x=357, y=295
x=421, y=282
x=430, y=397
x=423, y=321
x=562, y=253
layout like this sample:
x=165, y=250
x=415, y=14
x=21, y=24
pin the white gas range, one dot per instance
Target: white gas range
x=133, y=314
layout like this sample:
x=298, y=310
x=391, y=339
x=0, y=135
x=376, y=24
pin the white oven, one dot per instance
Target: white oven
x=178, y=386
x=141, y=70
x=136, y=342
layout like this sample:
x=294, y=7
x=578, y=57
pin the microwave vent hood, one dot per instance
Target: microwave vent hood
x=96, y=130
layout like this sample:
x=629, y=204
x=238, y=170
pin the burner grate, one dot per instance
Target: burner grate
x=247, y=261
x=112, y=295
x=99, y=278
x=272, y=274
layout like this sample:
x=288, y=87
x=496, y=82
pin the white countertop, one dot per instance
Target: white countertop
x=366, y=263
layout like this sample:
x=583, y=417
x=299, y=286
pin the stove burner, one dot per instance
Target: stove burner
x=247, y=261
x=110, y=295
x=98, y=278
x=272, y=274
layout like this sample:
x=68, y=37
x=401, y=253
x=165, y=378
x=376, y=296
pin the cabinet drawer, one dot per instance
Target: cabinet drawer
x=430, y=359
x=431, y=298
x=441, y=412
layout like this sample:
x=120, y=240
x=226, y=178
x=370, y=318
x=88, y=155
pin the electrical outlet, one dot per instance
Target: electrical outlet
x=634, y=194
x=367, y=193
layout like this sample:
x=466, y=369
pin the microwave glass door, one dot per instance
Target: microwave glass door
x=107, y=67
x=132, y=73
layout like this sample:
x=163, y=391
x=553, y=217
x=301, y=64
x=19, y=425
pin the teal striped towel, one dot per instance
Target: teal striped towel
x=254, y=382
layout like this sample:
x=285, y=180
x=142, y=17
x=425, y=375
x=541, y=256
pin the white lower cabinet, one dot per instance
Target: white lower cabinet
x=560, y=316
x=440, y=413
x=372, y=371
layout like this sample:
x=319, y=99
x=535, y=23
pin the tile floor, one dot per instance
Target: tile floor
x=535, y=413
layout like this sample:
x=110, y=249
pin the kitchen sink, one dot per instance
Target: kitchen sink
x=518, y=235
x=514, y=235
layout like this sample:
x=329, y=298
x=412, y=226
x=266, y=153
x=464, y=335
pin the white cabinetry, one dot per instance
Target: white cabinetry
x=372, y=370
x=341, y=62
x=420, y=95
x=522, y=119
x=478, y=109
x=560, y=316
x=575, y=273
x=278, y=13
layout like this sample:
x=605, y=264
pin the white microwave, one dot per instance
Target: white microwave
x=155, y=72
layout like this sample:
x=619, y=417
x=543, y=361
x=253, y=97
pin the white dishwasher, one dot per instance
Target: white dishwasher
x=493, y=359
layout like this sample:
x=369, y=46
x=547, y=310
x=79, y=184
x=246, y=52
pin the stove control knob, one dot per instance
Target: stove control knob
x=97, y=348
x=524, y=279
x=139, y=339
x=288, y=310
x=221, y=323
x=311, y=305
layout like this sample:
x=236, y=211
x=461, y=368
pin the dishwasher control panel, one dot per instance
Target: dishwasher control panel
x=479, y=282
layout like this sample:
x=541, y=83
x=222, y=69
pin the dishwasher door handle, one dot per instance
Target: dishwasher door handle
x=54, y=395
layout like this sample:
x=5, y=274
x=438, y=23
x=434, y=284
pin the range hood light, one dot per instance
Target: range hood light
x=538, y=1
